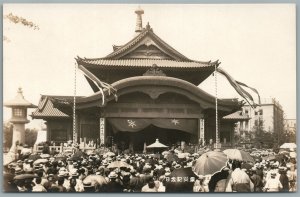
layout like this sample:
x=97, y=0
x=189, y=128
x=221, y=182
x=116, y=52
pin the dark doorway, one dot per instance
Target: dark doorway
x=168, y=137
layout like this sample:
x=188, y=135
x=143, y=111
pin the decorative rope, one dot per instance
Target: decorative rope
x=216, y=92
x=74, y=107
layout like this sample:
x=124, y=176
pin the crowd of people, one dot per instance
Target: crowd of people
x=79, y=172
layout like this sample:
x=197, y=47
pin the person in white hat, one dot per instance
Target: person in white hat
x=113, y=185
x=239, y=180
x=273, y=184
x=38, y=187
x=79, y=185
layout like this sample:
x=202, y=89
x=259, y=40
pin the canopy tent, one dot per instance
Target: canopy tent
x=137, y=124
x=157, y=144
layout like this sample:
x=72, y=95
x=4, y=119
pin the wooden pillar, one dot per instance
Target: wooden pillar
x=102, y=130
x=201, y=130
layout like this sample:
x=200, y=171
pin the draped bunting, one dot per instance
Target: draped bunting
x=238, y=87
x=137, y=124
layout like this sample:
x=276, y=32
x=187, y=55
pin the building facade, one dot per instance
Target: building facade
x=269, y=113
x=153, y=94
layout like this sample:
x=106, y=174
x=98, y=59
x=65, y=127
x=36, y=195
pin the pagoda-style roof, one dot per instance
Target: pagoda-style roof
x=19, y=101
x=142, y=52
x=236, y=116
x=149, y=38
x=51, y=106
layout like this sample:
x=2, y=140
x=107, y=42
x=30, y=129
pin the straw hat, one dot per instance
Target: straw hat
x=177, y=166
x=87, y=184
x=18, y=170
x=112, y=175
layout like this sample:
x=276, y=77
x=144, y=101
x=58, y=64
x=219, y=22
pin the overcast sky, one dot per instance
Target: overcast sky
x=256, y=44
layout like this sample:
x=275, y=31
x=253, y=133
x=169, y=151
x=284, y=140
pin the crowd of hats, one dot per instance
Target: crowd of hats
x=68, y=166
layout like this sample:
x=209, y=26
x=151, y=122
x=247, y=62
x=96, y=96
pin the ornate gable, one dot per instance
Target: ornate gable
x=146, y=45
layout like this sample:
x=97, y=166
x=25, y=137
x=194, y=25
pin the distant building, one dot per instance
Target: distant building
x=270, y=112
x=290, y=126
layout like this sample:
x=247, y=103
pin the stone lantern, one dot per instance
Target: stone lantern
x=19, y=117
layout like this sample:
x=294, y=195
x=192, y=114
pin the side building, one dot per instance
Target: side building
x=269, y=117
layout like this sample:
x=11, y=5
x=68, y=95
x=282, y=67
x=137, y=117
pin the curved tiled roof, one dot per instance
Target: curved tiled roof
x=238, y=115
x=46, y=107
x=161, y=81
x=145, y=63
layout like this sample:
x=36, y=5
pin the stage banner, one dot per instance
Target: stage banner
x=137, y=124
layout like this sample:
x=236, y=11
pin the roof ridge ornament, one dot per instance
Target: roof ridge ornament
x=148, y=27
x=154, y=71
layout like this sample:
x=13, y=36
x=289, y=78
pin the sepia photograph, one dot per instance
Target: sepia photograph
x=164, y=98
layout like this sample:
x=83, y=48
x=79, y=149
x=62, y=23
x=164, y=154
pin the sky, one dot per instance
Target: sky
x=255, y=43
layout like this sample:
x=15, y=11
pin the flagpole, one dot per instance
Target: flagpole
x=74, y=108
x=216, y=93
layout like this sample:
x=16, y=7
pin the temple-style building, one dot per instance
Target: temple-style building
x=157, y=96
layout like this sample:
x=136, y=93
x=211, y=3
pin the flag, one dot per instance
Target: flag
x=138, y=124
x=100, y=84
x=241, y=91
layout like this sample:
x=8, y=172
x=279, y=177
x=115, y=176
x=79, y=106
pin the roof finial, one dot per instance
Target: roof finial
x=139, y=23
x=20, y=93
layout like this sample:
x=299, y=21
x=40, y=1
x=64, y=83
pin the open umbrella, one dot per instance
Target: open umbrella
x=289, y=145
x=183, y=155
x=181, y=180
x=246, y=165
x=157, y=144
x=38, y=161
x=45, y=156
x=109, y=154
x=34, y=157
x=119, y=164
x=95, y=179
x=239, y=155
x=210, y=163
x=25, y=176
x=270, y=157
x=171, y=157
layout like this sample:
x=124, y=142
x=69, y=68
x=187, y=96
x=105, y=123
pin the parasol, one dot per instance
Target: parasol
x=210, y=163
x=25, y=176
x=95, y=179
x=38, y=161
x=246, y=165
x=183, y=155
x=270, y=157
x=45, y=156
x=171, y=157
x=119, y=164
x=109, y=154
x=157, y=144
x=181, y=180
x=284, y=152
x=289, y=145
x=239, y=155
x=34, y=157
